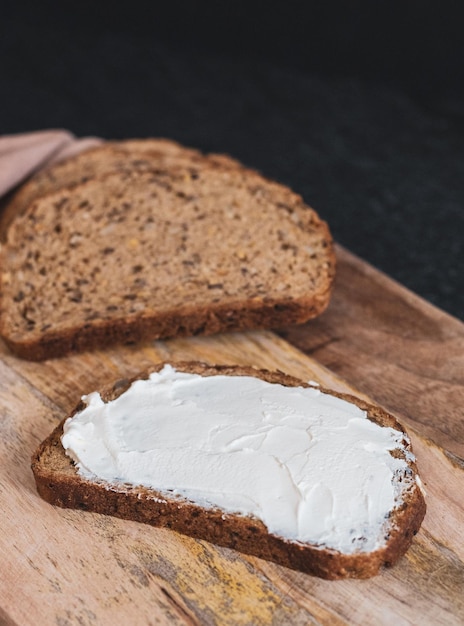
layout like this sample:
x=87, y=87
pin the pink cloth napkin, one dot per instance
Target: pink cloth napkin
x=24, y=154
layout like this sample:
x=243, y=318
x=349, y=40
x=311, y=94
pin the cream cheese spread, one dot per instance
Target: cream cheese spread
x=311, y=466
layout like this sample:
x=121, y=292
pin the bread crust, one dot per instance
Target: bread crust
x=59, y=483
x=178, y=322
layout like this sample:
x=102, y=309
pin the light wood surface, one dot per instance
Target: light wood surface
x=68, y=567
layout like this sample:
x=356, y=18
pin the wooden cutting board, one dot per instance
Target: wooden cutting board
x=68, y=567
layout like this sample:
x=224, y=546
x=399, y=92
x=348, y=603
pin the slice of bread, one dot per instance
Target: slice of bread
x=61, y=483
x=180, y=250
x=114, y=156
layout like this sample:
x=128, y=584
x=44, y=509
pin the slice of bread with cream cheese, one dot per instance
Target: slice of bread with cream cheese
x=249, y=459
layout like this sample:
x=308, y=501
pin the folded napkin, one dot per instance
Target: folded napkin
x=24, y=154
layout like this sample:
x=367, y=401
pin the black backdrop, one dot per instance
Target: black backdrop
x=358, y=106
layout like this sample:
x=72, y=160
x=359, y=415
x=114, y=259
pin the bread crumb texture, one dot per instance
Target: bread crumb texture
x=159, y=252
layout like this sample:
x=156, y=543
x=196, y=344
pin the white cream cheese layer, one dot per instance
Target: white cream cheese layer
x=311, y=466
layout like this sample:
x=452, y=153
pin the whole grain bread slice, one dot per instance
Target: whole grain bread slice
x=60, y=483
x=111, y=156
x=180, y=250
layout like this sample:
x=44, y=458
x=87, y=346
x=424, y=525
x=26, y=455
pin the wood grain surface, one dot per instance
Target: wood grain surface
x=68, y=567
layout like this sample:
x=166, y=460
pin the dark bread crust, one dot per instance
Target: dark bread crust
x=264, y=307
x=186, y=321
x=59, y=483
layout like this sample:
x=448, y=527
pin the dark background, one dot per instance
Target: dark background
x=358, y=106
